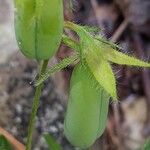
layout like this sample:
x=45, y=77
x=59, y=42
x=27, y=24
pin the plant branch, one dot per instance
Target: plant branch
x=35, y=107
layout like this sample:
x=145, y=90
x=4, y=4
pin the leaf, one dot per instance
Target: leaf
x=107, y=43
x=98, y=52
x=123, y=59
x=109, y=48
x=71, y=43
x=103, y=73
x=86, y=40
x=4, y=144
x=82, y=33
x=92, y=52
x=76, y=27
x=52, y=143
x=147, y=145
x=63, y=64
x=91, y=29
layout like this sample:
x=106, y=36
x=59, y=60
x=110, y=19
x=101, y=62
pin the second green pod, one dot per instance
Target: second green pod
x=87, y=109
x=39, y=27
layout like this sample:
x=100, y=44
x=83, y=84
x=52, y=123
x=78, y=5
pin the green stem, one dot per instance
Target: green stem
x=35, y=107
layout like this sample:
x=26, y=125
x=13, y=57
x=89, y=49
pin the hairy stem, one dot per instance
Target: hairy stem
x=35, y=106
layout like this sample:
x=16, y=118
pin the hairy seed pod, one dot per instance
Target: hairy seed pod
x=87, y=110
x=39, y=27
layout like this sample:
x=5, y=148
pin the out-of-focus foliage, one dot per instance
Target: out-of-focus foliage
x=147, y=145
x=4, y=144
x=52, y=143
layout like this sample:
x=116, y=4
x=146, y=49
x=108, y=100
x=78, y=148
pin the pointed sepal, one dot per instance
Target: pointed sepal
x=103, y=73
x=123, y=59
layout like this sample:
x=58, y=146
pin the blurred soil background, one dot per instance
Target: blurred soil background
x=126, y=22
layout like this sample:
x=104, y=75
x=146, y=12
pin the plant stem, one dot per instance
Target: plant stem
x=35, y=106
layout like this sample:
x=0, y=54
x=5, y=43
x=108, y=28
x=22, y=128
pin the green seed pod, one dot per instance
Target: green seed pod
x=39, y=27
x=87, y=110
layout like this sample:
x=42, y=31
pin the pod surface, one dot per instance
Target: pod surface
x=83, y=118
x=104, y=106
x=39, y=27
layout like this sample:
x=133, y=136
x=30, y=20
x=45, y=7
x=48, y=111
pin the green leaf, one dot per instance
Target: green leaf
x=84, y=36
x=123, y=59
x=98, y=52
x=107, y=43
x=147, y=145
x=92, y=52
x=103, y=73
x=91, y=29
x=63, y=64
x=52, y=143
x=4, y=144
x=71, y=43
x=81, y=28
